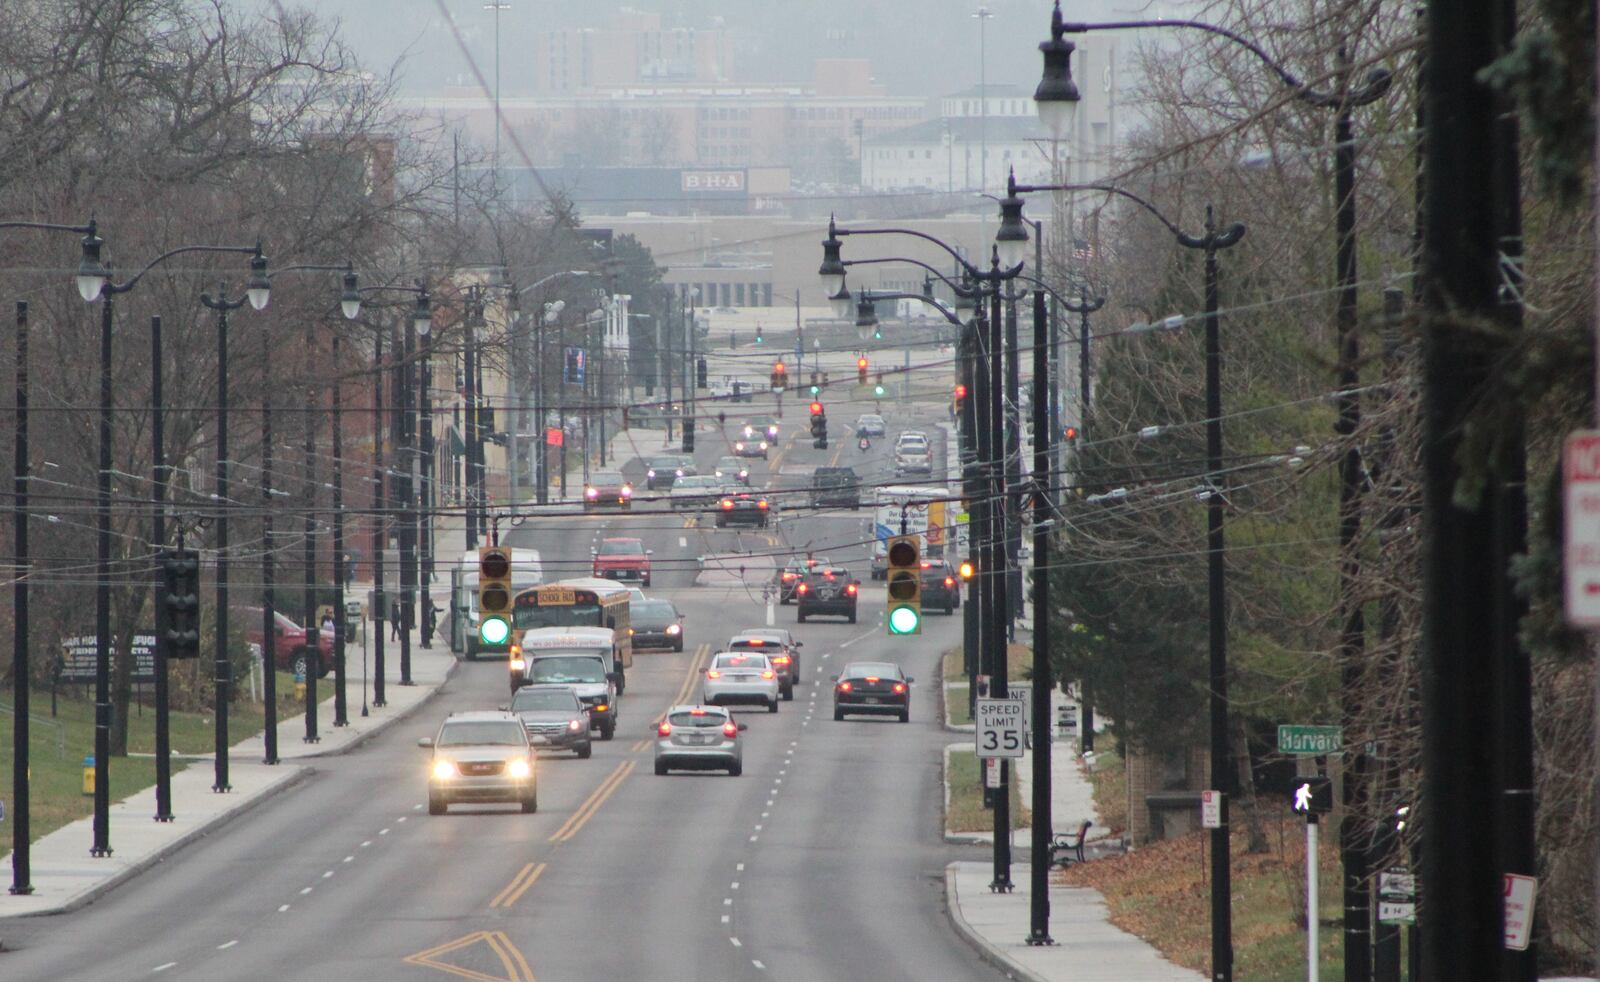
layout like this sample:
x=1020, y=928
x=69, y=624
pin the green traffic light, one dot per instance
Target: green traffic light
x=877, y=390
x=904, y=620
x=494, y=630
x=877, y=335
x=816, y=390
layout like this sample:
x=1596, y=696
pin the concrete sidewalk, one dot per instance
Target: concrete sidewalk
x=64, y=875
x=1087, y=949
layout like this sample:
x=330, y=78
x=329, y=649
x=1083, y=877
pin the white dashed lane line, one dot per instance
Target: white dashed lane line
x=163, y=968
x=282, y=908
x=227, y=944
x=757, y=963
x=736, y=942
x=305, y=891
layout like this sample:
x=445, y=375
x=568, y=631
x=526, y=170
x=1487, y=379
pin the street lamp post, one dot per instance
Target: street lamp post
x=1344, y=99
x=21, y=776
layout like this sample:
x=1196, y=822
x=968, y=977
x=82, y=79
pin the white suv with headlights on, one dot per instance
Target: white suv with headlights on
x=481, y=757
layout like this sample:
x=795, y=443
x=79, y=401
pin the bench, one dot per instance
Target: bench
x=1066, y=848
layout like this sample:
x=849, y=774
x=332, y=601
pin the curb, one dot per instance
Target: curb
x=986, y=951
x=292, y=776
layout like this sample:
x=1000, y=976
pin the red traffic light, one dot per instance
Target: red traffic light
x=816, y=409
x=1071, y=433
x=961, y=390
x=777, y=368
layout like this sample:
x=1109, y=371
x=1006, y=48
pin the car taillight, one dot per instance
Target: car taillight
x=851, y=589
x=788, y=576
x=899, y=687
x=517, y=664
x=803, y=589
x=762, y=504
x=730, y=730
x=873, y=678
x=727, y=504
x=949, y=581
x=697, y=712
x=712, y=673
x=767, y=674
x=630, y=632
x=782, y=659
x=844, y=686
x=665, y=729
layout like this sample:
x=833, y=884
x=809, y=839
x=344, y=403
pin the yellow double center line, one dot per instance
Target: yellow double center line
x=518, y=886
x=594, y=801
x=515, y=965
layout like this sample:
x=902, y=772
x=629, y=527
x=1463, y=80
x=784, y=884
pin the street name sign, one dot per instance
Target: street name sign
x=1314, y=740
x=1000, y=727
x=1581, y=549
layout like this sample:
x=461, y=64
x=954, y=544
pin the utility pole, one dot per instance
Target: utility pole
x=1043, y=526
x=308, y=546
x=21, y=775
x=380, y=529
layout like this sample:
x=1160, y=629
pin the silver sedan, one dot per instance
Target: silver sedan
x=699, y=738
x=741, y=676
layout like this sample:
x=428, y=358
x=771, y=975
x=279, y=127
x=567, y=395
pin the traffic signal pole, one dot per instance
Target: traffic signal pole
x=996, y=576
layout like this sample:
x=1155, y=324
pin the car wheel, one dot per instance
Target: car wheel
x=772, y=706
x=585, y=751
x=678, y=646
x=736, y=768
x=852, y=617
x=787, y=693
x=645, y=580
x=838, y=715
x=949, y=610
x=905, y=715
x=801, y=617
x=661, y=768
x=298, y=665
x=437, y=806
x=532, y=804
x=607, y=730
x=472, y=653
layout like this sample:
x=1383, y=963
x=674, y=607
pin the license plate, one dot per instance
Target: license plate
x=699, y=740
x=872, y=700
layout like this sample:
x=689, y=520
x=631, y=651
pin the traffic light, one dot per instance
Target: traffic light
x=494, y=595
x=861, y=371
x=180, y=603
x=688, y=434
x=1070, y=434
x=905, y=585
x=878, y=389
x=816, y=389
x=819, y=427
x=700, y=373
x=780, y=376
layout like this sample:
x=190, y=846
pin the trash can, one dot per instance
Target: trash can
x=88, y=775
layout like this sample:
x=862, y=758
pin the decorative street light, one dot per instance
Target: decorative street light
x=89, y=280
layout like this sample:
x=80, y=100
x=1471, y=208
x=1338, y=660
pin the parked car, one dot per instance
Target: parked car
x=622, y=559
x=743, y=508
x=741, y=676
x=699, y=738
x=607, y=488
x=289, y=641
x=554, y=717
x=835, y=487
x=481, y=757
x=872, y=688
x=655, y=624
x=830, y=591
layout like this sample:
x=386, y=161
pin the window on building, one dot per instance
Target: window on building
x=766, y=294
x=738, y=295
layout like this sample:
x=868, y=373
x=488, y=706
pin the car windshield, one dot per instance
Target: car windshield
x=477, y=734
x=620, y=547
x=876, y=670
x=653, y=613
x=606, y=478
x=663, y=464
x=740, y=661
x=544, y=701
x=730, y=464
x=703, y=717
x=566, y=669
x=695, y=482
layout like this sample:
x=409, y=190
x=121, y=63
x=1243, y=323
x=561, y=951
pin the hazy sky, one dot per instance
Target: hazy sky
x=917, y=47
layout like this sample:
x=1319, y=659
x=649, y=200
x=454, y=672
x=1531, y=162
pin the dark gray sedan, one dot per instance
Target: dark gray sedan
x=655, y=624
x=553, y=717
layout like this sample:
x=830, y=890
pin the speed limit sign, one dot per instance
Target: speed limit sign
x=1000, y=727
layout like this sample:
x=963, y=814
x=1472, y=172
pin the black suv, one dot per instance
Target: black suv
x=828, y=590
x=835, y=487
x=941, y=589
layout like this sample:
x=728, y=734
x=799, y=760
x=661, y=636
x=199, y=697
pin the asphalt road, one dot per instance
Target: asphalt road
x=823, y=861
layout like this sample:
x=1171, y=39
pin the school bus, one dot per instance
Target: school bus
x=582, y=602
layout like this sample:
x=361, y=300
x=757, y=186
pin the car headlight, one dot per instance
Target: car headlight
x=443, y=770
x=627, y=492
x=763, y=444
x=674, y=629
x=574, y=725
x=591, y=492
x=650, y=473
x=519, y=767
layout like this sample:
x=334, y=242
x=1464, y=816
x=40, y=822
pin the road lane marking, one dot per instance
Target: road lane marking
x=347, y=859
x=740, y=867
x=757, y=963
x=640, y=745
x=163, y=968
x=736, y=942
x=305, y=891
x=727, y=901
x=327, y=874
x=587, y=811
x=383, y=831
x=515, y=965
x=227, y=944
x=366, y=843
x=282, y=908
x=518, y=886
x=735, y=884
x=726, y=918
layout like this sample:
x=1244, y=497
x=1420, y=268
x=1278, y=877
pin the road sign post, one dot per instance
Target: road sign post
x=1000, y=724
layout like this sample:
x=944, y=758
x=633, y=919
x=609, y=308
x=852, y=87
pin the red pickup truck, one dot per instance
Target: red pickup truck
x=289, y=641
x=622, y=559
